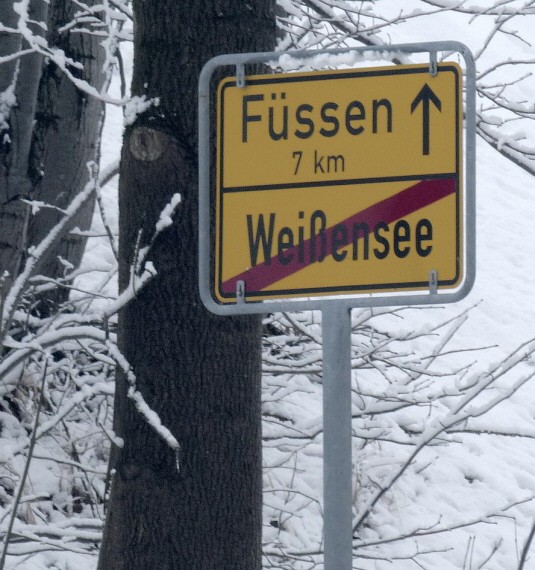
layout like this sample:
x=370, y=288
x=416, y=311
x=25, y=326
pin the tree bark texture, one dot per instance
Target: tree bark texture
x=199, y=372
x=52, y=132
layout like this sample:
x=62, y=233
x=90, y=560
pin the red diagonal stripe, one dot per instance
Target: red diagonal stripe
x=401, y=204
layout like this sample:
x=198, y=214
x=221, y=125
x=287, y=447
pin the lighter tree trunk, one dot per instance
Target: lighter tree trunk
x=18, y=77
x=52, y=132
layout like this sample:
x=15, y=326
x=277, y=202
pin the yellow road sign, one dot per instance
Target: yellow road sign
x=339, y=182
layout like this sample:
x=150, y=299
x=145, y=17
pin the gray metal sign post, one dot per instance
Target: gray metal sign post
x=337, y=456
x=336, y=310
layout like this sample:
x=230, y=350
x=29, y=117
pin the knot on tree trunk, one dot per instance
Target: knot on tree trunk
x=148, y=144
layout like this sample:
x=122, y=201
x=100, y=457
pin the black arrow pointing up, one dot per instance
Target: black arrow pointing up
x=426, y=96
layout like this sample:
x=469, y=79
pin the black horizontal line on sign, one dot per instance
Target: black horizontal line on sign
x=320, y=183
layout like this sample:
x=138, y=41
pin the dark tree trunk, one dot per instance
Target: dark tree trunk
x=200, y=373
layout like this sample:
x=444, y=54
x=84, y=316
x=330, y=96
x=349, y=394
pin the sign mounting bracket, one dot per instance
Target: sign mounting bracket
x=240, y=292
x=240, y=75
x=433, y=281
x=433, y=66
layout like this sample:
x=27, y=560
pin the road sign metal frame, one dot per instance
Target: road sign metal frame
x=433, y=296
